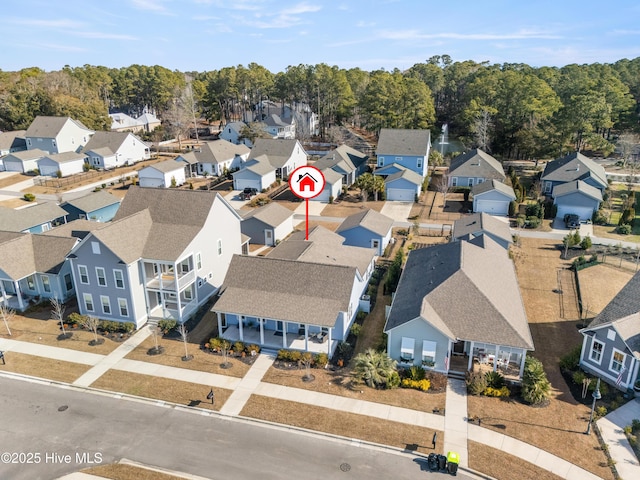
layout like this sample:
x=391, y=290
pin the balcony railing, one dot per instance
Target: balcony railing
x=168, y=281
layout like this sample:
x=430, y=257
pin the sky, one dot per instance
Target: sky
x=203, y=35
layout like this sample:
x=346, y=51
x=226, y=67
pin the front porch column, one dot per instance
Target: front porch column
x=306, y=337
x=284, y=334
x=524, y=356
x=329, y=343
x=470, y=363
x=241, y=328
x=4, y=293
x=447, y=362
x=495, y=359
x=261, y=326
x=16, y=286
x=179, y=307
x=219, y=315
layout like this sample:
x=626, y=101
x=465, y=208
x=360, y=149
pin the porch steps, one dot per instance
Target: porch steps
x=455, y=374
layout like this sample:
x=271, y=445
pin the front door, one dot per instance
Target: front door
x=268, y=237
x=458, y=348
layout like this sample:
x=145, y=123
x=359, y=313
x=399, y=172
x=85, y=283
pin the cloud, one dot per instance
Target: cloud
x=33, y=22
x=363, y=24
x=156, y=6
x=57, y=47
x=285, y=18
x=205, y=18
x=301, y=8
x=625, y=32
x=416, y=35
x=104, y=36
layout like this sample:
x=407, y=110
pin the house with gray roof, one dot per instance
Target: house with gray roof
x=404, y=185
x=611, y=342
x=217, y=157
x=100, y=206
x=406, y=147
x=267, y=225
x=23, y=161
x=571, y=168
x=57, y=134
x=576, y=197
x=34, y=267
x=164, y=254
x=474, y=167
x=367, y=229
x=149, y=121
x=346, y=161
x=232, y=132
x=13, y=141
x=61, y=164
x=121, y=122
x=482, y=224
x=279, y=127
x=258, y=173
x=332, y=186
x=115, y=149
x=284, y=155
x=458, y=303
x=166, y=174
x=306, y=306
x=492, y=197
x=36, y=218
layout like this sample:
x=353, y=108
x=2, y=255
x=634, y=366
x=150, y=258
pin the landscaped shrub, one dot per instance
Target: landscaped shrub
x=283, y=355
x=415, y=372
x=496, y=392
x=321, y=360
x=599, y=218
x=423, y=384
x=393, y=381
x=166, y=325
x=344, y=351
x=476, y=383
x=536, y=388
x=253, y=348
x=533, y=222
x=356, y=329
x=623, y=229
x=494, y=380
x=29, y=197
x=376, y=369
x=586, y=243
x=75, y=318
x=513, y=208
x=295, y=355
x=578, y=377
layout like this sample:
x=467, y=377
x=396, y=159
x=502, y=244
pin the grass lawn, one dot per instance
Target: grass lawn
x=148, y=386
x=362, y=427
x=483, y=458
x=595, y=292
x=42, y=367
x=174, y=351
x=122, y=471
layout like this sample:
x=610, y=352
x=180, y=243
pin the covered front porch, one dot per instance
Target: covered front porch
x=275, y=335
x=476, y=356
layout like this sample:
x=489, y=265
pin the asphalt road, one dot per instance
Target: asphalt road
x=105, y=429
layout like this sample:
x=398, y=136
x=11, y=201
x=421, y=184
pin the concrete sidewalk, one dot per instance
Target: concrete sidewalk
x=251, y=380
x=47, y=351
x=455, y=423
x=612, y=431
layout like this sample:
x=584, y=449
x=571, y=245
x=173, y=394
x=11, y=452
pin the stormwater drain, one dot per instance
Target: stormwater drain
x=345, y=467
x=63, y=408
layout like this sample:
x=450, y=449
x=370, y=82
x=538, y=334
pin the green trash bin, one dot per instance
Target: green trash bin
x=453, y=459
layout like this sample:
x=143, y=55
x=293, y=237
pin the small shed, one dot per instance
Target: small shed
x=61, y=164
x=162, y=175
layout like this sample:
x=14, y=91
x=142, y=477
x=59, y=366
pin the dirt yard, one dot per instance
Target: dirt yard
x=598, y=285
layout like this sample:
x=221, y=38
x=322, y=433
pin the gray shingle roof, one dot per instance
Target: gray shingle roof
x=466, y=291
x=369, y=219
x=493, y=184
x=479, y=223
x=13, y=139
x=49, y=127
x=574, y=166
x=279, y=151
x=331, y=177
x=25, y=218
x=272, y=214
x=23, y=254
x=111, y=140
x=403, y=142
x=65, y=157
x=93, y=201
x=286, y=290
x=259, y=165
x=323, y=246
x=102, y=151
x=476, y=163
x=273, y=120
x=577, y=186
x=33, y=154
x=344, y=159
x=405, y=174
x=167, y=166
x=77, y=228
x=219, y=151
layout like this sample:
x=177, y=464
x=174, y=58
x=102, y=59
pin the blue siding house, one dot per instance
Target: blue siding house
x=367, y=229
x=409, y=148
x=100, y=206
x=35, y=219
x=570, y=168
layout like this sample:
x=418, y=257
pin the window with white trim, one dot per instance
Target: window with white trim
x=428, y=353
x=84, y=274
x=406, y=349
x=381, y=161
x=617, y=361
x=470, y=182
x=124, y=308
x=118, y=278
x=31, y=282
x=95, y=248
x=106, y=304
x=102, y=277
x=596, y=351
x=46, y=284
x=419, y=162
x=198, y=260
x=68, y=283
x=88, y=302
x=454, y=181
x=611, y=334
x=547, y=187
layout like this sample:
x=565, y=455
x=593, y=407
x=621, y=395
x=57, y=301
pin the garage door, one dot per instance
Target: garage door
x=585, y=213
x=400, y=195
x=492, y=207
x=242, y=183
x=151, y=182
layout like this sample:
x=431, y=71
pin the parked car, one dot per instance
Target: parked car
x=571, y=220
x=247, y=193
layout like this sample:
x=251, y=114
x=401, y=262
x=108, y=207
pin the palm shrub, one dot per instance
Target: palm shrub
x=536, y=388
x=476, y=383
x=375, y=369
x=494, y=380
x=415, y=372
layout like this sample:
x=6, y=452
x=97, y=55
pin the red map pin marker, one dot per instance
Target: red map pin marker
x=306, y=182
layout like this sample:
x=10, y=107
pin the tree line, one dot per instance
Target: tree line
x=509, y=110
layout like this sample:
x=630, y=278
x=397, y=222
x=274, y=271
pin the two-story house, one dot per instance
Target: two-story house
x=408, y=148
x=165, y=253
x=57, y=134
x=284, y=155
x=216, y=158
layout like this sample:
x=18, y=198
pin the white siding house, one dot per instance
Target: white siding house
x=67, y=163
x=163, y=174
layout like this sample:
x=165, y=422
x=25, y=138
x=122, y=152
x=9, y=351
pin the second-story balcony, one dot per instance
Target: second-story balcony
x=167, y=277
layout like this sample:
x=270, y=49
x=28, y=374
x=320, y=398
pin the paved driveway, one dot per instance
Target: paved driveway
x=399, y=211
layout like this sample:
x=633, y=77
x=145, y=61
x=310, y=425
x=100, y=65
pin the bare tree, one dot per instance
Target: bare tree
x=626, y=143
x=481, y=128
x=307, y=360
x=57, y=314
x=7, y=315
x=91, y=324
x=182, y=330
x=225, y=345
x=441, y=184
x=156, y=332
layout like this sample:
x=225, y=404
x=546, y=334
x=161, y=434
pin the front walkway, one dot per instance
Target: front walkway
x=455, y=421
x=612, y=431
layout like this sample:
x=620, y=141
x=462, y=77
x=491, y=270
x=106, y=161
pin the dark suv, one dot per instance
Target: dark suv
x=571, y=220
x=247, y=193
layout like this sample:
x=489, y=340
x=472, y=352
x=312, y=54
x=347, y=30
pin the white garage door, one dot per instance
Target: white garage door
x=400, y=195
x=242, y=183
x=585, y=213
x=492, y=207
x=151, y=182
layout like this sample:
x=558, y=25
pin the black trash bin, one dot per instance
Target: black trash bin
x=432, y=461
x=442, y=462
